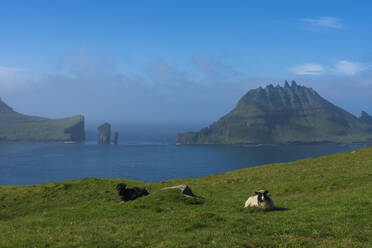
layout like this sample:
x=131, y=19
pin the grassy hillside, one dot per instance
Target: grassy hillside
x=322, y=202
x=283, y=115
x=18, y=127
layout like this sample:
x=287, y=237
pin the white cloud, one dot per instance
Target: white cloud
x=307, y=69
x=349, y=68
x=329, y=22
x=342, y=67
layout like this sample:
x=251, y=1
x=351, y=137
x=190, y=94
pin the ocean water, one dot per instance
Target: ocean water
x=149, y=156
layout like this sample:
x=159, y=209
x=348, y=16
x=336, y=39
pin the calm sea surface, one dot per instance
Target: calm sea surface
x=146, y=156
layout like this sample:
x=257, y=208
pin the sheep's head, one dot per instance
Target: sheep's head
x=262, y=195
x=121, y=186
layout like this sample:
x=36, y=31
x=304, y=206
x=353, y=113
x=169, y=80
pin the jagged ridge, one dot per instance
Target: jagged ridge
x=286, y=114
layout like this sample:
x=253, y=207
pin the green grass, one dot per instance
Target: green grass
x=322, y=202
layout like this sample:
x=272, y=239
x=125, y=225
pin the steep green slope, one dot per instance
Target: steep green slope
x=282, y=115
x=321, y=202
x=17, y=127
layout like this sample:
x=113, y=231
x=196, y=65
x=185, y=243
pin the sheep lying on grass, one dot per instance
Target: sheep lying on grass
x=128, y=194
x=261, y=200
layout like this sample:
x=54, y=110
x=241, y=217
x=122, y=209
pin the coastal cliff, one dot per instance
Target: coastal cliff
x=18, y=127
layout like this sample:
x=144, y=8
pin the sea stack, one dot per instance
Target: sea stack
x=116, y=138
x=104, y=133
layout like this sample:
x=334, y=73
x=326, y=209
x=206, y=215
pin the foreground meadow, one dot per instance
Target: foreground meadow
x=321, y=202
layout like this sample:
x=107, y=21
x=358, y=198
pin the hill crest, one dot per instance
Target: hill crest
x=288, y=114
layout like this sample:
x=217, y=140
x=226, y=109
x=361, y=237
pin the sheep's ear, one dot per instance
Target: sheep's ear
x=266, y=191
x=256, y=192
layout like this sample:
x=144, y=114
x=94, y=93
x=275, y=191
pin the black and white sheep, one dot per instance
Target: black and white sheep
x=261, y=200
x=129, y=194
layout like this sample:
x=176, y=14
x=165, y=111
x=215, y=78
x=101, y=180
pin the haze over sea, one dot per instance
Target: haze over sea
x=145, y=152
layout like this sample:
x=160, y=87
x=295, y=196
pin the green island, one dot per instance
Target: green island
x=321, y=202
x=288, y=114
x=18, y=127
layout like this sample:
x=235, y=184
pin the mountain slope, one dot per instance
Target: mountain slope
x=366, y=118
x=18, y=127
x=282, y=115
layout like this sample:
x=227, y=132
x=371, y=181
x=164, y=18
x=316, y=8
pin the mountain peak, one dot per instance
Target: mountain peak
x=292, y=113
x=366, y=118
x=286, y=85
x=364, y=114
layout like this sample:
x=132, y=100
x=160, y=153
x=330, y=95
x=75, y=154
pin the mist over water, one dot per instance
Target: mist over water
x=145, y=152
x=143, y=133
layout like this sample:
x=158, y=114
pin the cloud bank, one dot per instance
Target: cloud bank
x=94, y=86
x=161, y=92
x=327, y=22
x=349, y=68
x=307, y=69
x=342, y=67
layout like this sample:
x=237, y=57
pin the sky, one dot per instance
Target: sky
x=178, y=61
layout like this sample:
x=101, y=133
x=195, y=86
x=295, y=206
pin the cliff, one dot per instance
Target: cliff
x=18, y=127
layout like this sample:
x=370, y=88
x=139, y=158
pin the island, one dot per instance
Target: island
x=116, y=138
x=104, y=133
x=18, y=127
x=288, y=114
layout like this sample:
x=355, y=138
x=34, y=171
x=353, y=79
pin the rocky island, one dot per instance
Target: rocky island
x=104, y=133
x=288, y=114
x=116, y=138
x=18, y=127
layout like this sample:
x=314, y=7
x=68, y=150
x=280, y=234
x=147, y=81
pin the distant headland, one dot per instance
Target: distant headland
x=18, y=127
x=288, y=114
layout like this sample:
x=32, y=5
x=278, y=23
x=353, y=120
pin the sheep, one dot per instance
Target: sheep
x=261, y=200
x=128, y=194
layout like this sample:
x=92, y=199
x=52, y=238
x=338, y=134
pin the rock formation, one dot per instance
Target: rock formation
x=184, y=189
x=104, y=133
x=116, y=138
x=366, y=118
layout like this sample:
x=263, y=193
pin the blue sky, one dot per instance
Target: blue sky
x=178, y=60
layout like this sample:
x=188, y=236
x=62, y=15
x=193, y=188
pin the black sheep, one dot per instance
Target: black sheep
x=129, y=194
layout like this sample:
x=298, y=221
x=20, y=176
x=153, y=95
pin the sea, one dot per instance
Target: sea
x=147, y=153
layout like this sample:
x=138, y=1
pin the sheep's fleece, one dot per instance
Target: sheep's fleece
x=261, y=200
